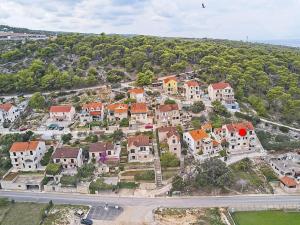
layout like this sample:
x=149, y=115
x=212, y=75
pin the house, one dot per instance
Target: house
x=8, y=113
x=62, y=113
x=224, y=93
x=26, y=156
x=171, y=137
x=168, y=114
x=70, y=158
x=139, y=149
x=104, y=152
x=192, y=91
x=117, y=111
x=199, y=142
x=139, y=113
x=170, y=85
x=287, y=164
x=138, y=94
x=237, y=142
x=289, y=184
x=93, y=111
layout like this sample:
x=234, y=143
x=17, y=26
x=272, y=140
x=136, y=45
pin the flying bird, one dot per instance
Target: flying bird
x=203, y=6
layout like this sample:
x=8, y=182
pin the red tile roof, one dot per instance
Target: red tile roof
x=166, y=129
x=92, y=105
x=61, y=108
x=24, y=146
x=198, y=135
x=95, y=113
x=235, y=127
x=288, y=181
x=65, y=152
x=192, y=83
x=220, y=85
x=101, y=147
x=140, y=140
x=118, y=107
x=169, y=79
x=139, y=108
x=168, y=107
x=136, y=91
x=6, y=107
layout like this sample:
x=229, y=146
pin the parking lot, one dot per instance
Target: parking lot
x=102, y=213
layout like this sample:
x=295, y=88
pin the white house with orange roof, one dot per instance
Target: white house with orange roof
x=62, y=113
x=8, y=113
x=117, y=111
x=170, y=85
x=224, y=93
x=139, y=113
x=138, y=94
x=241, y=137
x=192, y=91
x=26, y=156
x=93, y=111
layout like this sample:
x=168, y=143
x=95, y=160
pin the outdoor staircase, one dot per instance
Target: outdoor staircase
x=157, y=167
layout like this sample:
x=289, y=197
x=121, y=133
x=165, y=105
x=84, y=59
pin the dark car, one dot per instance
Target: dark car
x=86, y=221
x=61, y=128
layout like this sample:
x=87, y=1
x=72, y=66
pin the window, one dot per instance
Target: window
x=72, y=160
x=175, y=149
x=14, y=154
x=174, y=141
x=57, y=160
x=31, y=153
x=65, y=160
x=16, y=160
x=132, y=151
x=93, y=155
x=108, y=152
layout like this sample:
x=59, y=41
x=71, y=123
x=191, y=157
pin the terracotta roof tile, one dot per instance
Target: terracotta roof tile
x=168, y=107
x=118, y=107
x=140, y=140
x=136, y=91
x=198, y=135
x=166, y=80
x=288, y=181
x=166, y=129
x=235, y=127
x=92, y=106
x=24, y=146
x=6, y=106
x=192, y=83
x=61, y=108
x=65, y=152
x=139, y=108
x=220, y=85
x=101, y=147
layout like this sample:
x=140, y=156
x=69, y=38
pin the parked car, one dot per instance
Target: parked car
x=149, y=126
x=86, y=221
x=61, y=128
x=53, y=126
x=79, y=213
x=23, y=128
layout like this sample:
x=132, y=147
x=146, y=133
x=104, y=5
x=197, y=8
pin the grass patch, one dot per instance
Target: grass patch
x=22, y=214
x=147, y=175
x=267, y=218
x=167, y=174
x=268, y=172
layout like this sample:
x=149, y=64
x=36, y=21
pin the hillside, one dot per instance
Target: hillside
x=265, y=76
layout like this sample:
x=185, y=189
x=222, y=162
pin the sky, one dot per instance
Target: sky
x=225, y=19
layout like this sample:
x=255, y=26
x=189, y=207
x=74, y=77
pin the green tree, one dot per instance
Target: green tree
x=197, y=107
x=37, y=101
x=145, y=78
x=169, y=159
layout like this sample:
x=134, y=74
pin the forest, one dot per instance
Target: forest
x=265, y=77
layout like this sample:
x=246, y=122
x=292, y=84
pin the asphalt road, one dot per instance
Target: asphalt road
x=205, y=201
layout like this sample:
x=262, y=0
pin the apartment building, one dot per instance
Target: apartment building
x=139, y=149
x=8, y=113
x=93, y=111
x=62, y=113
x=117, y=111
x=170, y=136
x=168, y=115
x=26, y=156
x=138, y=94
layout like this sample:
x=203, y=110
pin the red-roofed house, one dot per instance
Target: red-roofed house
x=222, y=92
x=192, y=91
x=170, y=85
x=237, y=141
x=26, y=156
x=8, y=113
x=117, y=111
x=168, y=115
x=139, y=149
x=93, y=111
x=139, y=113
x=199, y=142
x=137, y=94
x=104, y=152
x=62, y=112
x=289, y=184
x=70, y=158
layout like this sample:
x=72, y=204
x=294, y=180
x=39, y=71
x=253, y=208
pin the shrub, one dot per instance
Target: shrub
x=169, y=159
x=66, y=180
x=99, y=185
x=197, y=107
x=128, y=185
x=284, y=129
x=53, y=169
x=124, y=122
x=170, y=101
x=46, y=158
x=87, y=170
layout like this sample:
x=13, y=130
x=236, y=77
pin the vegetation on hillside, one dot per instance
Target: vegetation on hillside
x=267, y=77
